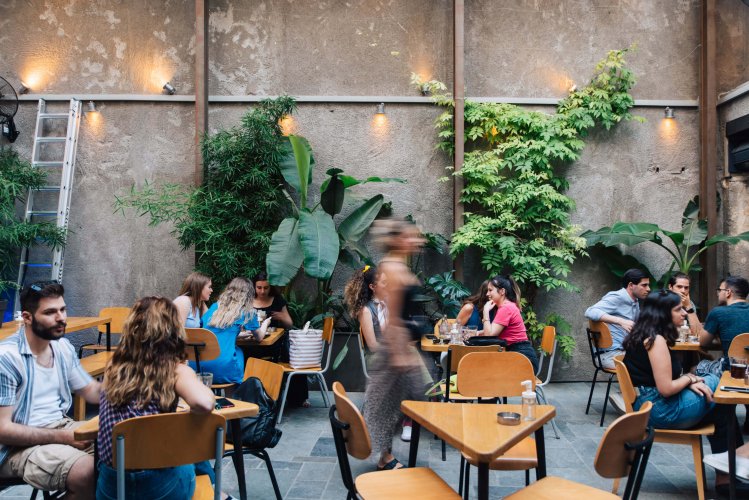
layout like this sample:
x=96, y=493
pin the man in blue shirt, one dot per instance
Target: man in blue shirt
x=731, y=317
x=619, y=309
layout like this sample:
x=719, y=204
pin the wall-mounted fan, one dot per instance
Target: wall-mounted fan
x=8, y=109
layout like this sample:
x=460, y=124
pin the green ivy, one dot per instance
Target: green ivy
x=229, y=219
x=516, y=212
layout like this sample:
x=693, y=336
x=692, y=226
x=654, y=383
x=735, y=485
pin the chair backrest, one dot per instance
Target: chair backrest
x=270, y=374
x=168, y=440
x=600, y=334
x=624, y=449
x=204, y=341
x=450, y=321
x=118, y=315
x=358, y=443
x=455, y=353
x=548, y=349
x=494, y=374
x=736, y=349
x=625, y=383
x=327, y=329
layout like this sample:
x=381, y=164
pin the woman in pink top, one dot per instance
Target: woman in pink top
x=508, y=323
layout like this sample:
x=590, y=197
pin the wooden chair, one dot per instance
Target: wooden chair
x=202, y=345
x=623, y=451
x=691, y=437
x=316, y=371
x=739, y=342
x=169, y=440
x=271, y=376
x=497, y=375
x=118, y=315
x=599, y=337
x=548, y=351
x=351, y=437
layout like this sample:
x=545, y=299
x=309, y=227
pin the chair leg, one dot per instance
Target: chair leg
x=263, y=454
x=615, y=486
x=467, y=486
x=527, y=477
x=592, y=386
x=542, y=399
x=444, y=451
x=33, y=494
x=323, y=389
x=699, y=467
x=462, y=472
x=283, y=398
x=606, y=399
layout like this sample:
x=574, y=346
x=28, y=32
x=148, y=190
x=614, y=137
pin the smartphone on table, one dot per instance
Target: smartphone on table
x=222, y=403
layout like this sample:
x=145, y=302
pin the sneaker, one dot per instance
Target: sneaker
x=406, y=434
x=719, y=462
x=617, y=401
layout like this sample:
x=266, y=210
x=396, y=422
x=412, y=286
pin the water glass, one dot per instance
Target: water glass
x=261, y=315
x=206, y=378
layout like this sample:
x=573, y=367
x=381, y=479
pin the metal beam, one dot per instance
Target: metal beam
x=708, y=150
x=201, y=83
x=458, y=118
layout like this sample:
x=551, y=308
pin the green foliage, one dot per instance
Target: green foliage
x=309, y=238
x=684, y=246
x=229, y=220
x=448, y=292
x=17, y=177
x=517, y=214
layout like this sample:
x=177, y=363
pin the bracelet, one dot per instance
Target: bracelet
x=690, y=310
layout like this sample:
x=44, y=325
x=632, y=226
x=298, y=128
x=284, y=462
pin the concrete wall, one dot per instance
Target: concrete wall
x=517, y=48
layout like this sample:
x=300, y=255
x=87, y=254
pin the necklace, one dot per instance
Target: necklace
x=51, y=361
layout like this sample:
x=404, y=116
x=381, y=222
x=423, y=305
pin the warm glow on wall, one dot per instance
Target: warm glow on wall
x=668, y=130
x=288, y=125
x=94, y=121
x=380, y=120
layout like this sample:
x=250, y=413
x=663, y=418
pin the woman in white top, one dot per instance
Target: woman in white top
x=191, y=303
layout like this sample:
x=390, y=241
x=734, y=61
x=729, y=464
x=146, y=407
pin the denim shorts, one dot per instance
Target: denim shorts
x=153, y=484
x=680, y=411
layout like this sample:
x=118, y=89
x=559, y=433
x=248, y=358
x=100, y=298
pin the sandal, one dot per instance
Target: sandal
x=394, y=464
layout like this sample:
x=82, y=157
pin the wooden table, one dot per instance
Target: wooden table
x=269, y=340
x=686, y=346
x=75, y=323
x=89, y=430
x=428, y=346
x=731, y=398
x=473, y=429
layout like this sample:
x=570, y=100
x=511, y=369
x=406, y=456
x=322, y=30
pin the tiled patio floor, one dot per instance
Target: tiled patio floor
x=306, y=468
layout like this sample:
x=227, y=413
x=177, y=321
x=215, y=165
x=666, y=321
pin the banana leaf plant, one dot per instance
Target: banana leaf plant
x=684, y=245
x=309, y=238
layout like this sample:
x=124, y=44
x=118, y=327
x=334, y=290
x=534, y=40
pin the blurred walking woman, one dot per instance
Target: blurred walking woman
x=504, y=293
x=193, y=296
x=146, y=376
x=397, y=371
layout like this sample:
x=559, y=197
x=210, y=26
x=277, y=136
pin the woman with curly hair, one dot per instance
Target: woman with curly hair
x=473, y=306
x=146, y=376
x=365, y=295
x=193, y=297
x=232, y=317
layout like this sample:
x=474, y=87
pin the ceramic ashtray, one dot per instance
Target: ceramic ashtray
x=508, y=418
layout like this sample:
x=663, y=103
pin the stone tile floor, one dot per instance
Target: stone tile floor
x=306, y=467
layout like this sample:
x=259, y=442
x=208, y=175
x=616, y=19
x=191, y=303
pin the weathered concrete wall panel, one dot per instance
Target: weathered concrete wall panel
x=732, y=51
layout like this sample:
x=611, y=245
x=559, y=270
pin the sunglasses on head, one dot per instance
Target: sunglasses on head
x=41, y=285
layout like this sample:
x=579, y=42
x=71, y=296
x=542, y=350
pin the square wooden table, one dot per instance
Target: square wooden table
x=75, y=324
x=272, y=337
x=89, y=430
x=731, y=398
x=473, y=429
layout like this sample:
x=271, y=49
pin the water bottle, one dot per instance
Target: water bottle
x=683, y=333
x=444, y=328
x=455, y=335
x=529, y=401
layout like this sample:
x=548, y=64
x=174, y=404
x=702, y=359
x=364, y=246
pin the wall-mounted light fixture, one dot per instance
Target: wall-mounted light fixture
x=380, y=109
x=23, y=89
x=91, y=107
x=169, y=88
x=424, y=89
x=668, y=113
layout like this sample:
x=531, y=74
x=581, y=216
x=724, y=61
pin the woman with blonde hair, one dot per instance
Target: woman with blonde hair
x=195, y=292
x=232, y=317
x=146, y=376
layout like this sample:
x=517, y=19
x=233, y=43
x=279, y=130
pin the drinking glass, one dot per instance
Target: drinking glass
x=206, y=378
x=261, y=315
x=738, y=368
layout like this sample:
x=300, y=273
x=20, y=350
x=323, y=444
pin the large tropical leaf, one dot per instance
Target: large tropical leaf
x=353, y=227
x=349, y=181
x=331, y=198
x=691, y=211
x=296, y=165
x=285, y=253
x=319, y=241
x=731, y=240
x=624, y=233
x=695, y=232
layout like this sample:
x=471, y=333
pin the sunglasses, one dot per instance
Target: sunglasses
x=41, y=285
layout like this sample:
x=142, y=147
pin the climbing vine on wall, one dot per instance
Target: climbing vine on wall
x=516, y=212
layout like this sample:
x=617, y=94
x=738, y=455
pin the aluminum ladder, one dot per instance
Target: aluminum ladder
x=55, y=145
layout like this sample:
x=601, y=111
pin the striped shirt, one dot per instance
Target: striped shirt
x=17, y=374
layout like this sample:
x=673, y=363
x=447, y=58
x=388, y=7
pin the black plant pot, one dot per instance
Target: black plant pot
x=3, y=307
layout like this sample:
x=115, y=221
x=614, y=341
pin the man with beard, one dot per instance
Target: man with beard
x=729, y=319
x=39, y=370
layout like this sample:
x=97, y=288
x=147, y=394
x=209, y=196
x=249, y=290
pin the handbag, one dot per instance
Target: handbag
x=305, y=347
x=260, y=431
x=412, y=314
x=482, y=340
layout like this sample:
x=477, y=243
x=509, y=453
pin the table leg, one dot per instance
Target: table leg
x=238, y=458
x=540, y=453
x=414, y=449
x=732, y=456
x=483, y=481
x=109, y=336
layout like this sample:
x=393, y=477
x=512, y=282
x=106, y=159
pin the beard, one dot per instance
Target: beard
x=49, y=333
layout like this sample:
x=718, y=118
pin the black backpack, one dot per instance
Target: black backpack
x=260, y=431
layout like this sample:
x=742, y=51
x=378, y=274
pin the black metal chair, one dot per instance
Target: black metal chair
x=599, y=337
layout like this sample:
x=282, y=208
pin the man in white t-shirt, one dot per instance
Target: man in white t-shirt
x=39, y=371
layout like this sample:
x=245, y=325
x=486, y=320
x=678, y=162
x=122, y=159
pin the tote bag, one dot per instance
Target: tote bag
x=305, y=347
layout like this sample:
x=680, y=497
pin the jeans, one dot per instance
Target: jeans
x=527, y=350
x=687, y=409
x=153, y=484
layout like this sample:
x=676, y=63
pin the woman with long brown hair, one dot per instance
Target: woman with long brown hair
x=147, y=375
x=193, y=297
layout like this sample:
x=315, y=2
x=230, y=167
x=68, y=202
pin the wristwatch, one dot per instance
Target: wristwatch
x=690, y=310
